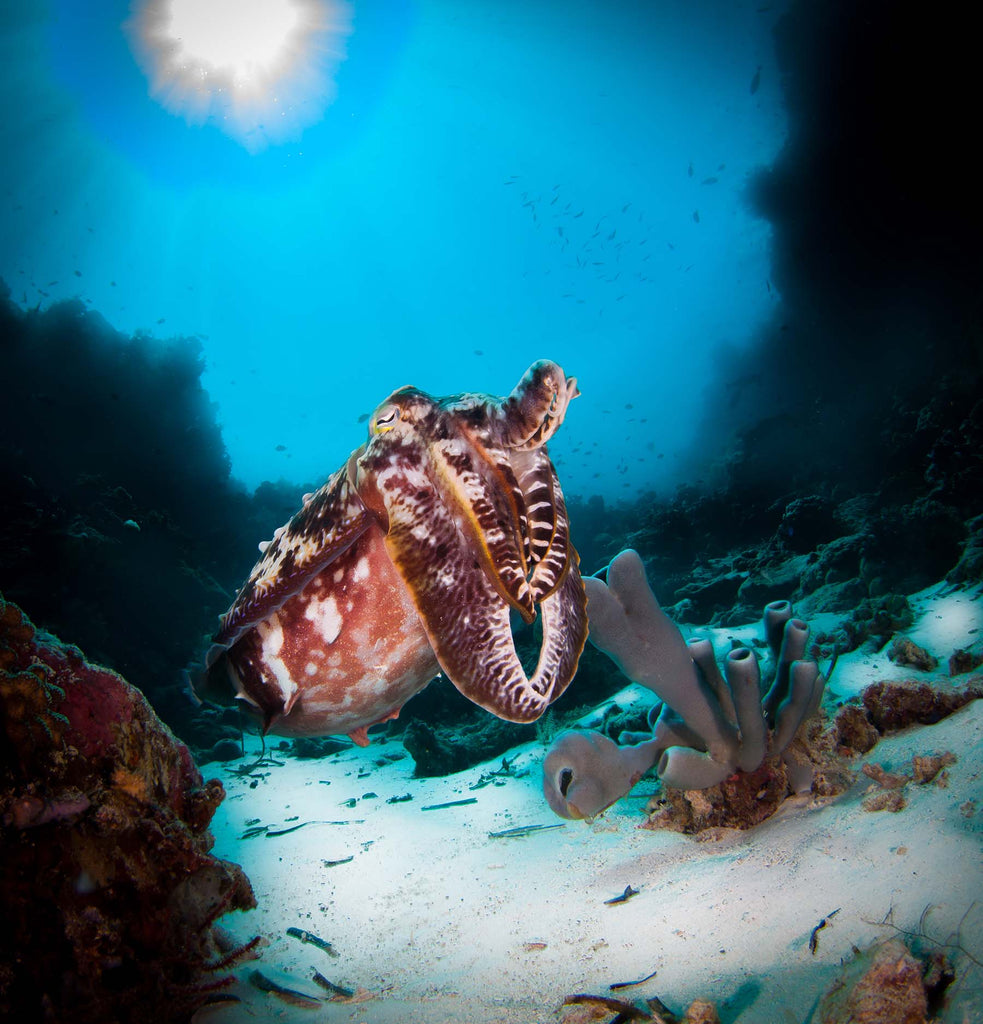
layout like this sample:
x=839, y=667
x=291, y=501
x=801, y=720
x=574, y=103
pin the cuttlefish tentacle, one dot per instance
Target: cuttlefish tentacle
x=549, y=525
x=331, y=521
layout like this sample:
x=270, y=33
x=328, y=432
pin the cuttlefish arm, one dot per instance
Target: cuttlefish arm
x=330, y=521
x=505, y=451
x=464, y=615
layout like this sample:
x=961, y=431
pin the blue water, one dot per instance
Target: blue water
x=493, y=183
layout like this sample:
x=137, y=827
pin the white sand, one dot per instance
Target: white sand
x=432, y=917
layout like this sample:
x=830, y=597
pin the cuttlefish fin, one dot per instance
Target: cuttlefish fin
x=329, y=522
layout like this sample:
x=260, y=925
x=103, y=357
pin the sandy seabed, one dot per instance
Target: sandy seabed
x=435, y=920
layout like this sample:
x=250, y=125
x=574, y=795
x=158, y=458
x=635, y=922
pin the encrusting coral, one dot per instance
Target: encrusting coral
x=108, y=887
x=711, y=724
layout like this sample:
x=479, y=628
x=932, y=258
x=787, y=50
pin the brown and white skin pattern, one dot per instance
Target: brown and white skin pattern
x=408, y=561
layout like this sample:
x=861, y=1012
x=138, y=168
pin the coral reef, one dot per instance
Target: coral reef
x=906, y=652
x=712, y=724
x=108, y=886
x=884, y=984
x=886, y=707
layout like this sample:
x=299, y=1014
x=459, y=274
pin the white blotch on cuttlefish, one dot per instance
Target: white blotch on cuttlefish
x=272, y=646
x=326, y=617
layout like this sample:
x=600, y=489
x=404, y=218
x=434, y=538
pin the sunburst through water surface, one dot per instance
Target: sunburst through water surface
x=259, y=70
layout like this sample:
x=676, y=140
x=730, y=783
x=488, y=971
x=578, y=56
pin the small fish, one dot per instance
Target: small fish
x=631, y=984
x=78, y=273
x=363, y=417
x=521, y=830
x=629, y=891
x=450, y=803
x=162, y=320
x=756, y=80
x=814, y=934
x=280, y=448
x=330, y=986
x=696, y=216
x=689, y=170
x=709, y=181
x=313, y=940
x=259, y=980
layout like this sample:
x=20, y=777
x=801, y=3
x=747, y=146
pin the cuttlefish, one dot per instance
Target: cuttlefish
x=409, y=562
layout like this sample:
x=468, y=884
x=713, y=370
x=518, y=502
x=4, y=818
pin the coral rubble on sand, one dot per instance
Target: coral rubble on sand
x=108, y=886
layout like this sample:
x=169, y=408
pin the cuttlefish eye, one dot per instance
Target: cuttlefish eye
x=384, y=420
x=563, y=780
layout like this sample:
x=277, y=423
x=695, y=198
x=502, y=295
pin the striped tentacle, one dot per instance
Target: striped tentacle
x=549, y=526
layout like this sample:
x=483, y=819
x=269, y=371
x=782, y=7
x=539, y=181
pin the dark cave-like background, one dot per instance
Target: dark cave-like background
x=840, y=457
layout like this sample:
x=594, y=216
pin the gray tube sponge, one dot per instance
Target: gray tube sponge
x=777, y=613
x=794, y=636
x=627, y=623
x=711, y=724
x=804, y=678
x=686, y=768
x=585, y=772
x=701, y=651
x=744, y=680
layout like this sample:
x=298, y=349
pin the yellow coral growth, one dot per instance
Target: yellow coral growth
x=131, y=783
